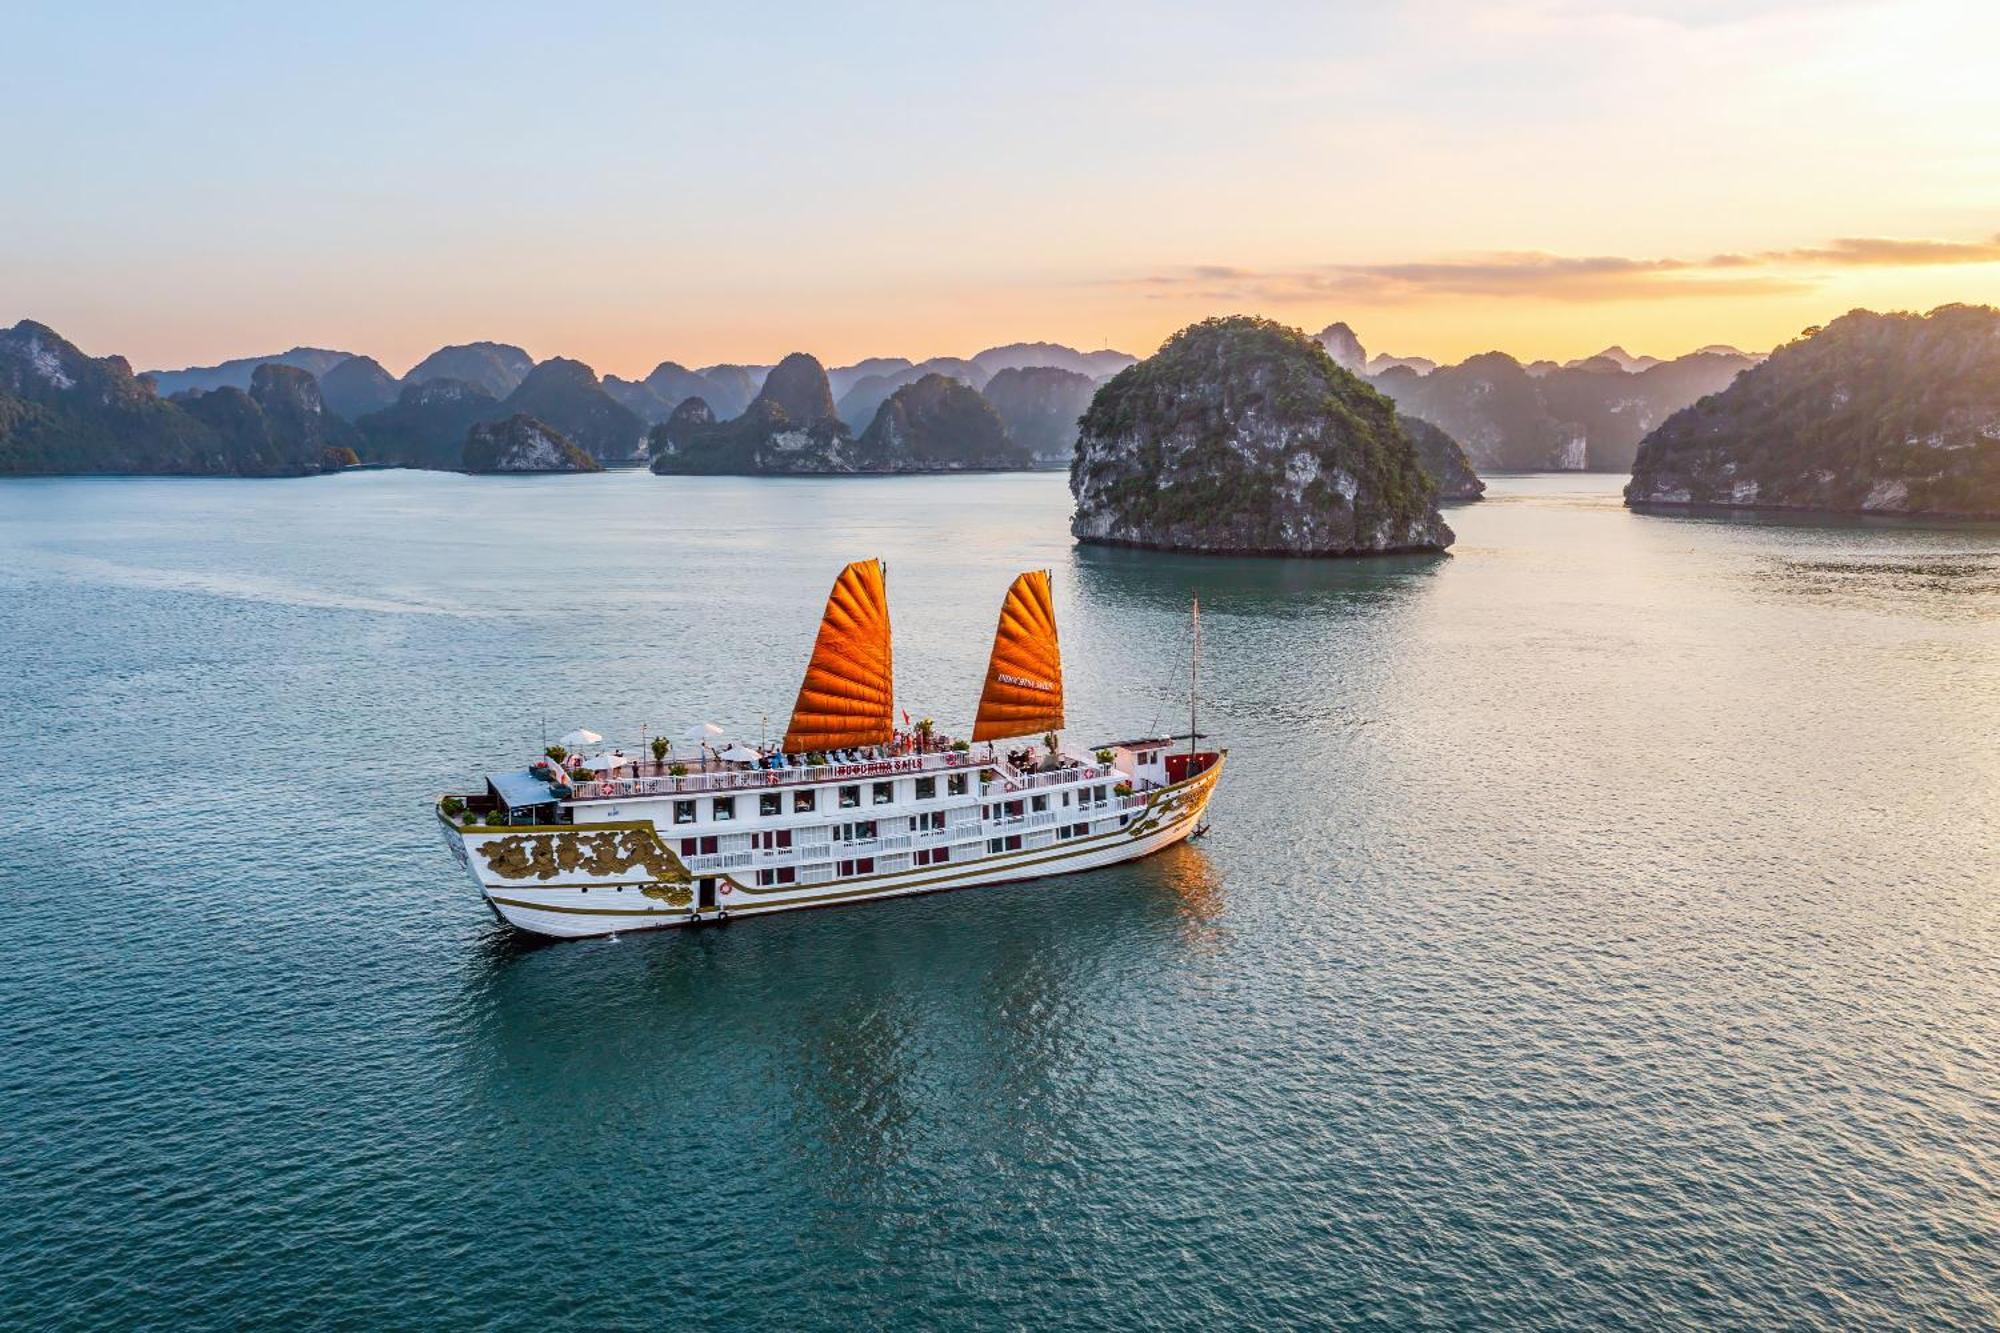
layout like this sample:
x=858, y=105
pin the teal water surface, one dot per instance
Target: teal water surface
x=1600, y=927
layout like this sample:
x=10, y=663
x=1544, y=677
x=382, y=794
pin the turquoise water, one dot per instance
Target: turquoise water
x=1600, y=926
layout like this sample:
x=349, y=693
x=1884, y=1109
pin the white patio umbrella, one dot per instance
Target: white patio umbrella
x=740, y=754
x=703, y=731
x=604, y=763
x=579, y=738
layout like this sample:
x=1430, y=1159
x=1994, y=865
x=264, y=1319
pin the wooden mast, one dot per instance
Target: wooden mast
x=1194, y=677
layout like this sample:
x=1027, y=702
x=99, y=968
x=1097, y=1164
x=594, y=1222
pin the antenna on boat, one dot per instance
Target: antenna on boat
x=1194, y=675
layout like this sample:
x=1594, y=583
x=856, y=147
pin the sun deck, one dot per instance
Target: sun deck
x=520, y=788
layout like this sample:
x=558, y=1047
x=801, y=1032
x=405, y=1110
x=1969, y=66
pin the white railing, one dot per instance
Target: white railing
x=703, y=865
x=1009, y=781
x=716, y=779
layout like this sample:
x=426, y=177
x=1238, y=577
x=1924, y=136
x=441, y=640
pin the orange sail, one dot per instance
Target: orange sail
x=1024, y=693
x=849, y=690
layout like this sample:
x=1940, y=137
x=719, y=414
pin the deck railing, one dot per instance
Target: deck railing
x=720, y=778
x=1008, y=781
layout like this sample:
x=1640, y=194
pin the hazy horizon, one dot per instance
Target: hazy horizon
x=628, y=185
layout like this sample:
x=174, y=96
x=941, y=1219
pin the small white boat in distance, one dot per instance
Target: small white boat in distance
x=849, y=808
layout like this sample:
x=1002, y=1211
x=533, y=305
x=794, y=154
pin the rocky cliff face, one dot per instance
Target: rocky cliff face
x=522, y=444
x=358, y=386
x=64, y=412
x=938, y=425
x=1345, y=349
x=763, y=441
x=682, y=428
x=280, y=426
x=498, y=368
x=798, y=384
x=1874, y=414
x=1241, y=436
x=426, y=425
x=1040, y=405
x=1442, y=458
x=566, y=395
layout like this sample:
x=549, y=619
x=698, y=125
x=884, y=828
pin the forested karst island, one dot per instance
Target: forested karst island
x=1873, y=414
x=1242, y=436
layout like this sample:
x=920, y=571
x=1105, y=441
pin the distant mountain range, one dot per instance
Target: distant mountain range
x=428, y=416
x=1589, y=414
x=315, y=361
x=935, y=423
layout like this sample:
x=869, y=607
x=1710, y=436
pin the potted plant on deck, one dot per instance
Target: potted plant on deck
x=660, y=747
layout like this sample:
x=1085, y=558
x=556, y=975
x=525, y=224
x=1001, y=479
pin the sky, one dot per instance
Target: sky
x=628, y=183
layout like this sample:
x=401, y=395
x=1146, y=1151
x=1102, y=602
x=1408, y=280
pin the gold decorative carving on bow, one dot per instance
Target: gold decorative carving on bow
x=603, y=854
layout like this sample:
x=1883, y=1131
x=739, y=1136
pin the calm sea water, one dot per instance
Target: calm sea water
x=1600, y=926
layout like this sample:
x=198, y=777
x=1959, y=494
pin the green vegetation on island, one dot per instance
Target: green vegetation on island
x=1242, y=436
x=1874, y=414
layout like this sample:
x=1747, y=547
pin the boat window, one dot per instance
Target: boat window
x=1039, y=802
x=955, y=784
x=885, y=792
x=778, y=875
x=860, y=865
x=724, y=808
x=684, y=812
x=802, y=801
x=1097, y=793
x=926, y=788
x=770, y=803
x=930, y=856
x=850, y=797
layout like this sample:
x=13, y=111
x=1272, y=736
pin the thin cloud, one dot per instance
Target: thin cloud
x=1547, y=277
x=1867, y=250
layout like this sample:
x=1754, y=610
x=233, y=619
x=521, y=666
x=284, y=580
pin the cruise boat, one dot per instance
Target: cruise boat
x=850, y=808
